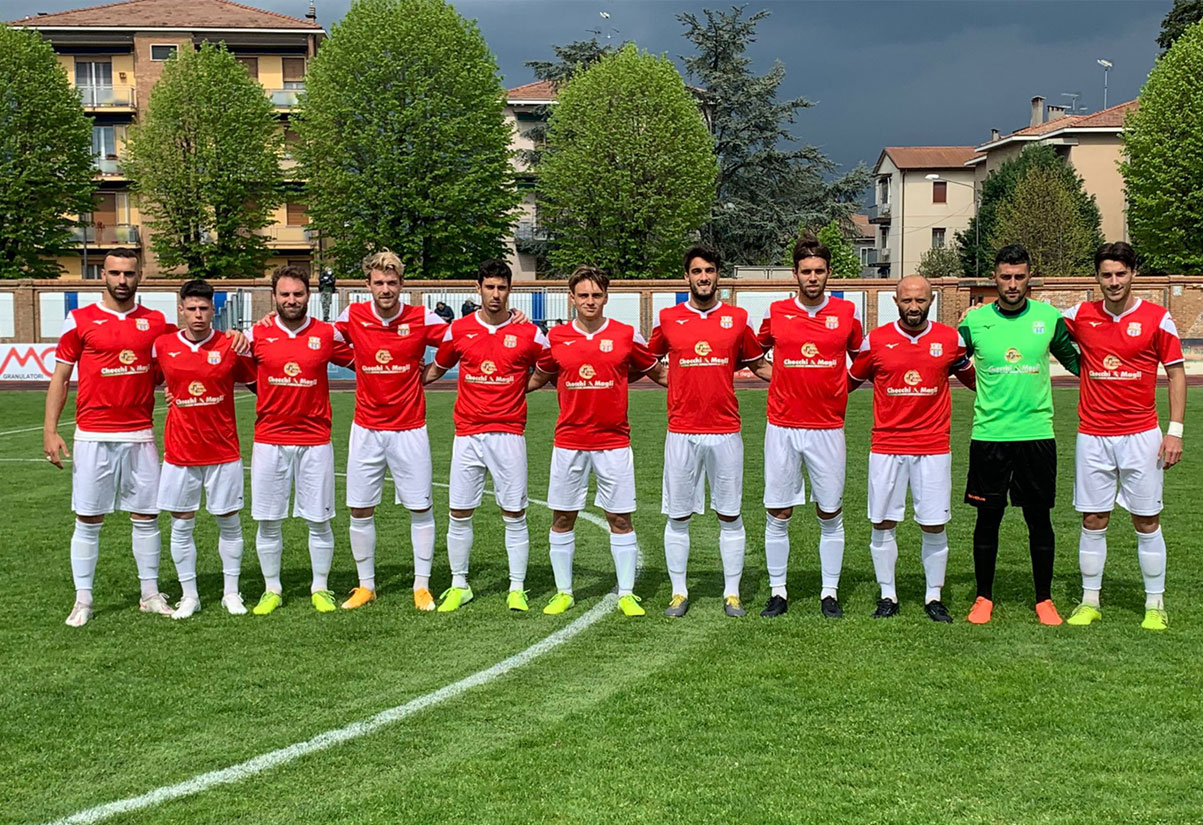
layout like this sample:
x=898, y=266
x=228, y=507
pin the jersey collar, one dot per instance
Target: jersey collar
x=1128, y=311
x=289, y=332
x=813, y=311
x=589, y=335
x=194, y=345
x=492, y=329
x=914, y=339
x=121, y=315
x=703, y=313
x=387, y=321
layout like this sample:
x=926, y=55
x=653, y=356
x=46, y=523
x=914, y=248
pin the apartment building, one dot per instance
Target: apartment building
x=526, y=110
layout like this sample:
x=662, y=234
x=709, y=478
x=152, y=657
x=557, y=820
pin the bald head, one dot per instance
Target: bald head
x=914, y=285
x=913, y=297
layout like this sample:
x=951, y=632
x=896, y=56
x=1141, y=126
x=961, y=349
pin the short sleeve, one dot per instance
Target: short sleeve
x=658, y=346
x=856, y=335
x=341, y=354
x=862, y=364
x=749, y=345
x=1169, y=345
x=765, y=336
x=546, y=364
x=448, y=354
x=642, y=359
x=70, y=344
x=436, y=328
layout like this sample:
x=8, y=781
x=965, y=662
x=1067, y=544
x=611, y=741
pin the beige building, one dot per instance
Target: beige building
x=525, y=110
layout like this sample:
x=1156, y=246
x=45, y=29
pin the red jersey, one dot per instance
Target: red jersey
x=912, y=409
x=388, y=363
x=592, y=387
x=494, y=363
x=293, y=406
x=1120, y=354
x=111, y=351
x=811, y=347
x=201, y=425
x=704, y=349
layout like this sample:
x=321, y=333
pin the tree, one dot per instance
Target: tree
x=940, y=262
x=403, y=141
x=845, y=263
x=764, y=189
x=205, y=165
x=1042, y=216
x=628, y=172
x=45, y=156
x=1163, y=160
x=1177, y=20
x=571, y=59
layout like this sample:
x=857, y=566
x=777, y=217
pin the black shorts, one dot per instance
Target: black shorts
x=1028, y=469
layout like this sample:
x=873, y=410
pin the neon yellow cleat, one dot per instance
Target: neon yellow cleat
x=323, y=601
x=359, y=597
x=558, y=604
x=423, y=600
x=1083, y=615
x=268, y=602
x=1155, y=619
x=629, y=605
x=516, y=600
x=454, y=597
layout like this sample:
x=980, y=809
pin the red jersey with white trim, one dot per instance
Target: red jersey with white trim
x=592, y=383
x=293, y=406
x=1120, y=355
x=811, y=348
x=201, y=425
x=388, y=363
x=704, y=350
x=494, y=363
x=111, y=351
x=912, y=407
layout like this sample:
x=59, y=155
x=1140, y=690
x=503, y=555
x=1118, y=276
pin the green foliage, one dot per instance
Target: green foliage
x=1163, y=164
x=940, y=262
x=628, y=173
x=205, y=161
x=1177, y=20
x=571, y=59
x=1043, y=217
x=45, y=156
x=845, y=263
x=999, y=187
x=403, y=140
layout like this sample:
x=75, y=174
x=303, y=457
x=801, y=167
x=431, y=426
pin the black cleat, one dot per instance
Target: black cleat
x=885, y=609
x=937, y=612
x=777, y=606
x=830, y=608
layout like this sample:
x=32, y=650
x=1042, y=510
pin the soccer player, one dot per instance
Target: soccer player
x=1012, y=448
x=116, y=464
x=705, y=341
x=496, y=356
x=593, y=357
x=909, y=362
x=1123, y=338
x=292, y=435
x=811, y=336
x=200, y=443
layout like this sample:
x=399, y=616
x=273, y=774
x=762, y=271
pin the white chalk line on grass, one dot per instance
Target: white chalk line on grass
x=68, y=423
x=274, y=759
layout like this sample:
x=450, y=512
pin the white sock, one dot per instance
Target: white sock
x=934, y=554
x=676, y=554
x=269, y=546
x=183, y=553
x=624, y=549
x=776, y=552
x=732, y=542
x=831, y=553
x=363, y=550
x=229, y=549
x=1150, y=550
x=562, y=548
x=85, y=549
x=459, y=549
x=321, y=554
x=1092, y=555
x=147, y=546
x=421, y=536
x=517, y=549
x=883, y=547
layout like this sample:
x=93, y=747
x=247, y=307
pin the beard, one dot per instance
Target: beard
x=289, y=313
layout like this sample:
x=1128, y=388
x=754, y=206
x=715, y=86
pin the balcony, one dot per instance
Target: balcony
x=287, y=237
x=106, y=235
x=107, y=167
x=107, y=98
x=529, y=231
x=879, y=213
x=285, y=99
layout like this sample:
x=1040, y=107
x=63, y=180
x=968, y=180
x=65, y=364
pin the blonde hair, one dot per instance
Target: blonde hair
x=383, y=261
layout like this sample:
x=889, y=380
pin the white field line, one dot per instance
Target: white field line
x=274, y=759
x=158, y=410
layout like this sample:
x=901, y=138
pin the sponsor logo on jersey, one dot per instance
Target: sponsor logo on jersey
x=912, y=377
x=1134, y=329
x=831, y=322
x=383, y=356
x=142, y=324
x=726, y=321
x=702, y=348
x=488, y=367
x=809, y=350
x=1112, y=362
x=936, y=350
x=403, y=330
x=196, y=388
x=510, y=341
x=127, y=357
x=292, y=369
x=606, y=345
x=586, y=371
x=1038, y=327
x=315, y=342
x=214, y=357
x=1013, y=355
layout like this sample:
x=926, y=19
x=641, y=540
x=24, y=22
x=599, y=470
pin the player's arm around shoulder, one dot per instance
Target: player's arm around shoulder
x=1062, y=345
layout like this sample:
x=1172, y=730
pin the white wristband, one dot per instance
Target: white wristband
x=1174, y=428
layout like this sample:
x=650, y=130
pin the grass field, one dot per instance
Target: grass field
x=706, y=719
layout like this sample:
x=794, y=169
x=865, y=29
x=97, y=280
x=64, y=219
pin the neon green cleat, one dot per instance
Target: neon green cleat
x=1155, y=619
x=268, y=602
x=1083, y=615
x=517, y=601
x=629, y=605
x=559, y=603
x=453, y=598
x=323, y=601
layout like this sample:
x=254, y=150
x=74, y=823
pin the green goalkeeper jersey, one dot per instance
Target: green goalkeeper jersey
x=1011, y=356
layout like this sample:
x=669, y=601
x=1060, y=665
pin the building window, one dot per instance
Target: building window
x=94, y=272
x=104, y=142
x=302, y=263
x=297, y=214
x=883, y=190
x=885, y=237
x=294, y=72
x=163, y=52
x=252, y=66
x=939, y=191
x=937, y=237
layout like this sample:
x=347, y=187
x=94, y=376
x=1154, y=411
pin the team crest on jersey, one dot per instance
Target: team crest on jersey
x=1013, y=355
x=383, y=356
x=1111, y=362
x=1038, y=327
x=488, y=367
x=586, y=371
x=936, y=350
x=912, y=377
x=127, y=356
x=214, y=357
x=1134, y=329
x=832, y=322
x=606, y=345
x=315, y=342
x=142, y=324
x=726, y=321
x=196, y=388
x=702, y=348
x=292, y=369
x=809, y=350
x=403, y=330
x=510, y=341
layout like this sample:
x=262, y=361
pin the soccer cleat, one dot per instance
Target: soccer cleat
x=830, y=608
x=155, y=604
x=323, y=601
x=423, y=600
x=733, y=607
x=937, y=612
x=268, y=602
x=359, y=597
x=1083, y=615
x=559, y=603
x=777, y=606
x=186, y=609
x=233, y=604
x=885, y=609
x=1047, y=613
x=516, y=601
x=1155, y=619
x=629, y=605
x=981, y=611
x=453, y=598
x=678, y=606
x=80, y=615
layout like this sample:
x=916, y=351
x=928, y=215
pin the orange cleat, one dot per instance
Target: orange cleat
x=359, y=597
x=1046, y=611
x=981, y=611
x=423, y=600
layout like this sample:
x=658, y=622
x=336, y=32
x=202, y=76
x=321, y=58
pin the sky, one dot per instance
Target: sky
x=880, y=72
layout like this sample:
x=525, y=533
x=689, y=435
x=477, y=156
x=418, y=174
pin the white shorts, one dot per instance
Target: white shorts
x=406, y=455
x=692, y=459
x=274, y=471
x=1103, y=461
x=790, y=450
x=114, y=475
x=568, y=482
x=503, y=456
x=929, y=478
x=180, y=488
